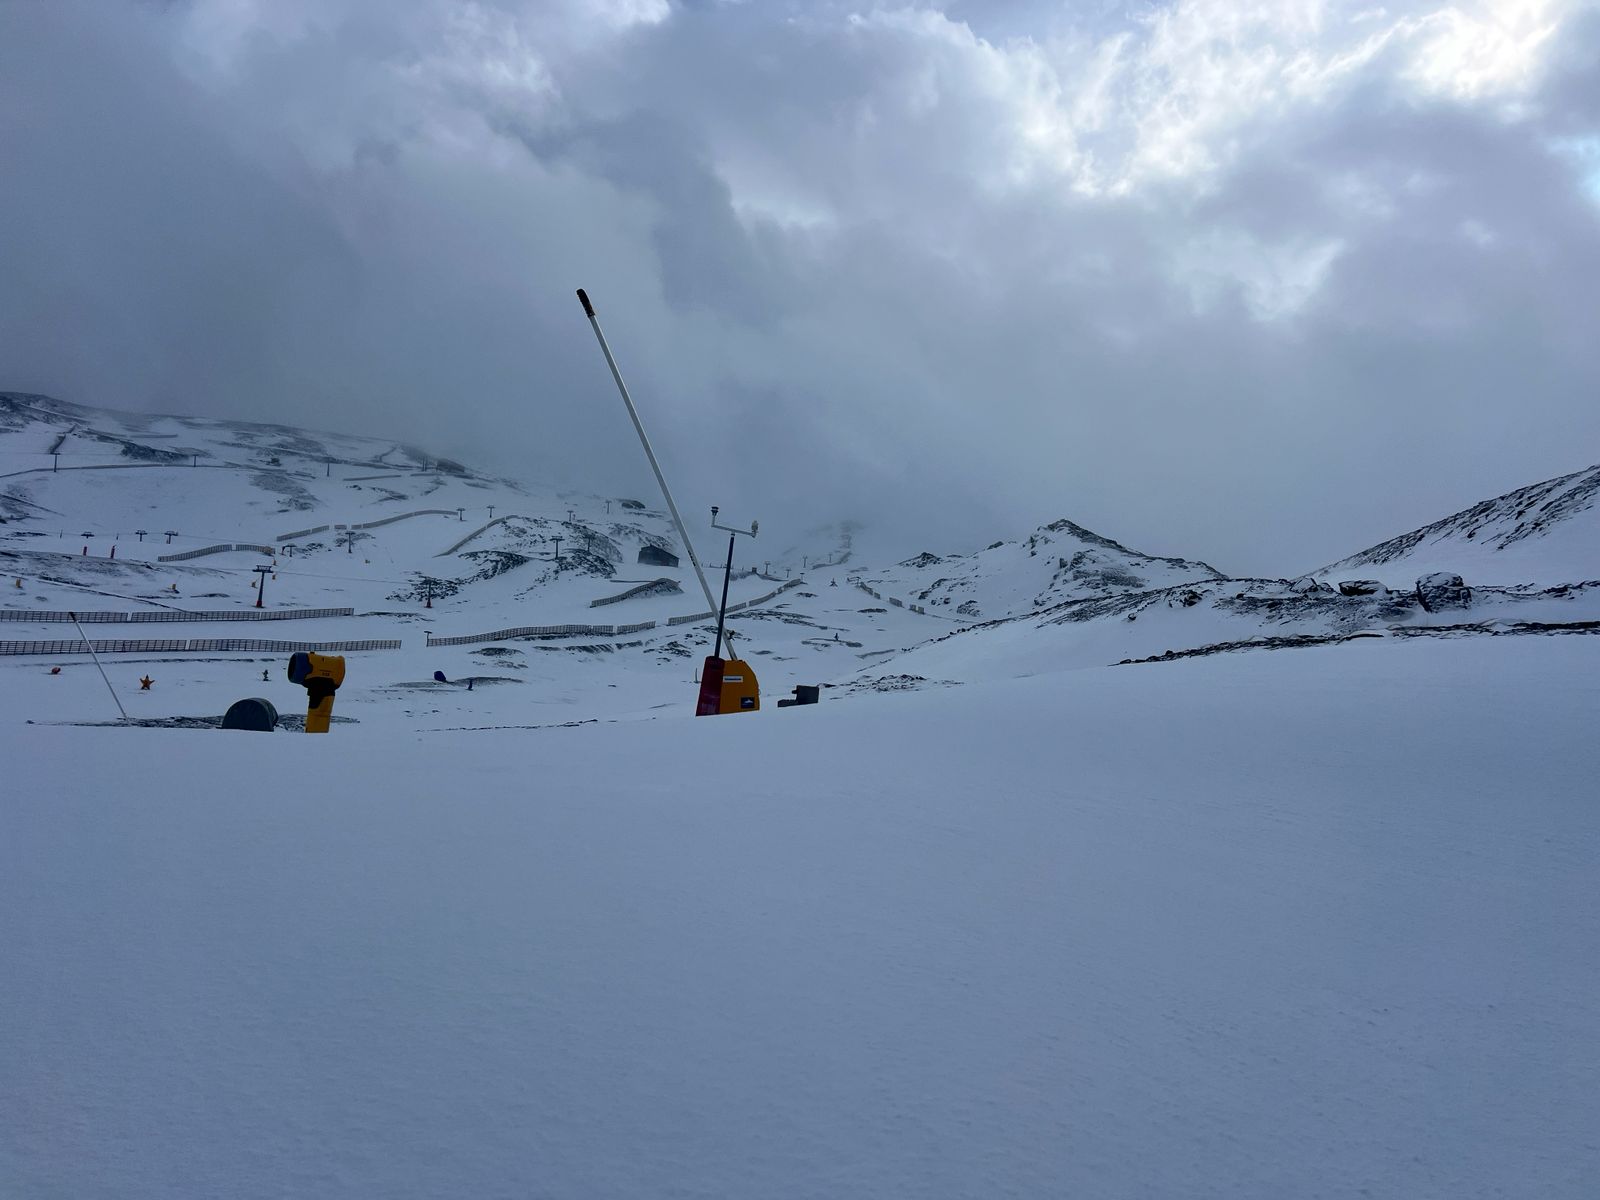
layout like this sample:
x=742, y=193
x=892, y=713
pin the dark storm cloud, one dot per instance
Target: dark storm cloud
x=960, y=273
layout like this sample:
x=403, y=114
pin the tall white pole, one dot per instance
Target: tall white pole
x=87, y=645
x=633, y=413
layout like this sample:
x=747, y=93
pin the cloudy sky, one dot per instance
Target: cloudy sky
x=1258, y=281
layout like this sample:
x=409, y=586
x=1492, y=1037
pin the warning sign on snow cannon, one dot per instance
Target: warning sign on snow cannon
x=727, y=686
x=320, y=675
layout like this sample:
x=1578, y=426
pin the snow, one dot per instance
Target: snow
x=1304, y=923
x=1055, y=563
x=995, y=917
x=239, y=495
x=1545, y=533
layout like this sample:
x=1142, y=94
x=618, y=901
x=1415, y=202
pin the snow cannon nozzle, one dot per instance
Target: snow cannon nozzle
x=583, y=299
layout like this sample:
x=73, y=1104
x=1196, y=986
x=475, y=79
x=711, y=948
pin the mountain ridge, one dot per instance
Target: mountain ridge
x=1547, y=532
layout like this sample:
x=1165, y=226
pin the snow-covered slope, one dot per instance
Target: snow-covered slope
x=471, y=554
x=1547, y=533
x=1259, y=925
x=1254, y=927
x=474, y=555
x=1058, y=562
x=1231, y=615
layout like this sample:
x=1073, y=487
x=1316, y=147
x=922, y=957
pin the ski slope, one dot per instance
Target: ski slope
x=1302, y=923
x=471, y=554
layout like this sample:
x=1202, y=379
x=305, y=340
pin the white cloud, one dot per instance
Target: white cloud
x=1490, y=49
x=1173, y=95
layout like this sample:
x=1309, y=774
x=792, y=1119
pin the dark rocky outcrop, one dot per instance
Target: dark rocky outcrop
x=1441, y=591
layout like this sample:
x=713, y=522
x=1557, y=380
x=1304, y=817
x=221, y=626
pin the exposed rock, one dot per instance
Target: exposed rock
x=1442, y=590
x=1309, y=583
x=1361, y=587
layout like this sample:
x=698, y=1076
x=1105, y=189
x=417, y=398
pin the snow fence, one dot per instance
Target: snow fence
x=537, y=631
x=219, y=548
x=482, y=529
x=916, y=608
x=174, y=614
x=635, y=591
x=184, y=645
x=421, y=512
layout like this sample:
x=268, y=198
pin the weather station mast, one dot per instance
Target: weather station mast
x=726, y=685
x=727, y=570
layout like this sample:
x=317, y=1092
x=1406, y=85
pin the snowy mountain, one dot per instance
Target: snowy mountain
x=1545, y=533
x=1056, y=563
x=454, y=571
x=1531, y=560
x=440, y=568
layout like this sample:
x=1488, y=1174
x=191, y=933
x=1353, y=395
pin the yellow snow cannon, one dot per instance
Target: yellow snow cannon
x=320, y=675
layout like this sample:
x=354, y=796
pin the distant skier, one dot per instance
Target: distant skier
x=264, y=678
x=144, y=684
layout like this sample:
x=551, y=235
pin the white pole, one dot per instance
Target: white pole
x=90, y=648
x=588, y=309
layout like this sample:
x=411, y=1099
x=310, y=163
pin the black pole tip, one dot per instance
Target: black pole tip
x=583, y=299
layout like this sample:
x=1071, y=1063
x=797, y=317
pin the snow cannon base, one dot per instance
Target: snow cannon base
x=727, y=686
